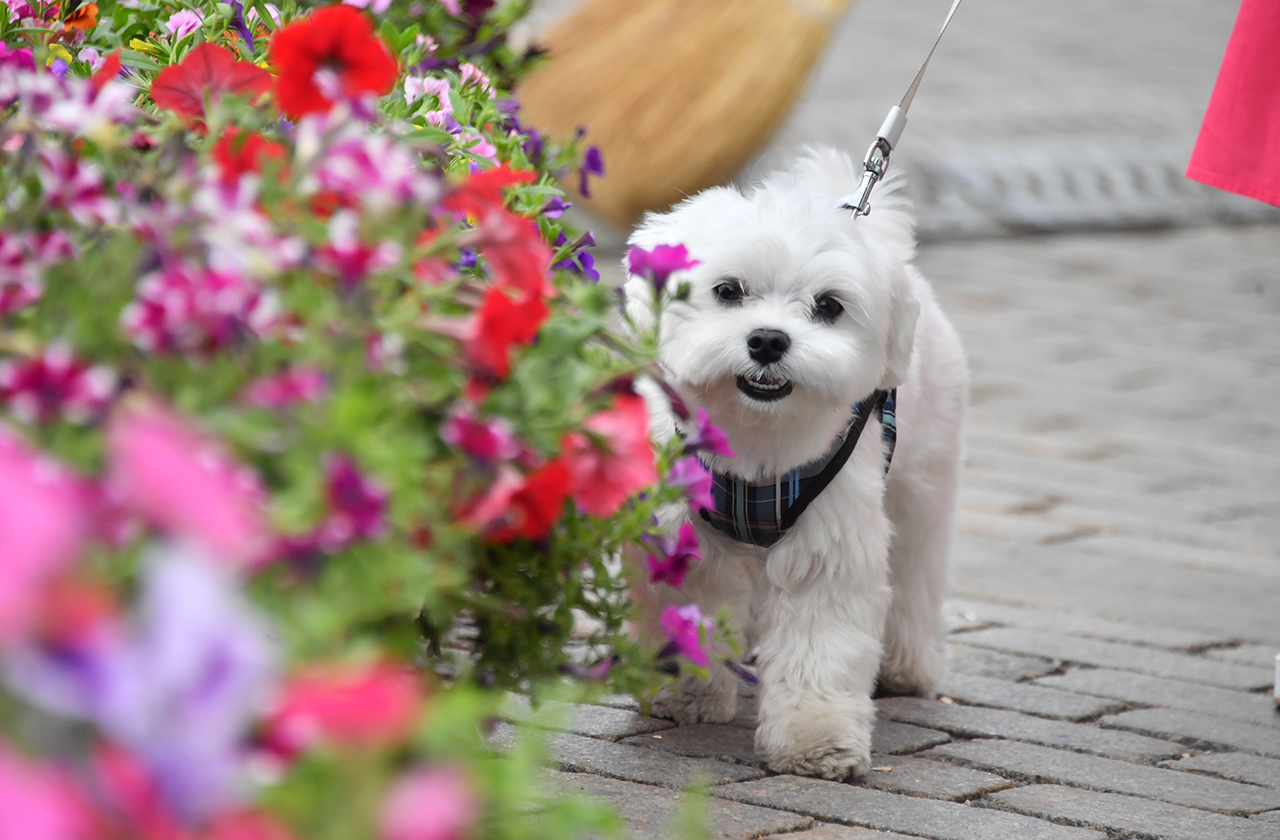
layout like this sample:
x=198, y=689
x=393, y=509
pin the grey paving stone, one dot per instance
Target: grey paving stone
x=976, y=722
x=1178, y=694
x=1021, y=697
x=983, y=662
x=832, y=831
x=648, y=810
x=1259, y=656
x=704, y=740
x=1269, y=817
x=893, y=738
x=932, y=818
x=1075, y=624
x=1141, y=817
x=933, y=779
x=1041, y=764
x=1198, y=730
x=579, y=754
x=1144, y=660
x=1239, y=767
x=582, y=719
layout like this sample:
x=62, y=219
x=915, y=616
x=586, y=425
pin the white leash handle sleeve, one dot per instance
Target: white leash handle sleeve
x=876, y=162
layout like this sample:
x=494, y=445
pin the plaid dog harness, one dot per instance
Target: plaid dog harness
x=760, y=513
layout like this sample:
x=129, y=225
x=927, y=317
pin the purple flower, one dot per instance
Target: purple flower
x=179, y=687
x=358, y=506
x=555, y=208
x=579, y=261
x=658, y=265
x=677, y=555
x=238, y=24
x=59, y=68
x=708, y=438
x=689, y=633
x=592, y=164
x=690, y=474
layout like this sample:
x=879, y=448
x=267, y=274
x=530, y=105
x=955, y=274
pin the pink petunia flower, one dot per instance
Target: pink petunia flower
x=289, y=387
x=618, y=463
x=196, y=311
x=39, y=802
x=429, y=803
x=56, y=384
x=349, y=259
x=484, y=440
x=375, y=6
x=708, y=438
x=43, y=527
x=183, y=483
x=658, y=265
x=690, y=474
x=677, y=555
x=184, y=23
x=77, y=187
x=689, y=633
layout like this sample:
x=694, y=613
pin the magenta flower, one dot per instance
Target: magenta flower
x=196, y=311
x=358, y=506
x=76, y=187
x=40, y=802
x=43, y=526
x=690, y=474
x=708, y=438
x=658, y=265
x=281, y=390
x=162, y=469
x=180, y=686
x=349, y=259
x=484, y=440
x=56, y=384
x=24, y=258
x=689, y=633
x=17, y=58
x=429, y=803
x=677, y=555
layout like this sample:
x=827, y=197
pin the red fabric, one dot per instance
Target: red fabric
x=1239, y=145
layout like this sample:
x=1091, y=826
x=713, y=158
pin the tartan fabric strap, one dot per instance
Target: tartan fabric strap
x=761, y=512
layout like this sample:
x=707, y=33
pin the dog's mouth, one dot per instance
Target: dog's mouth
x=764, y=388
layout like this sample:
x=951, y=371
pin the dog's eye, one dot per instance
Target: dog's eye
x=827, y=308
x=728, y=292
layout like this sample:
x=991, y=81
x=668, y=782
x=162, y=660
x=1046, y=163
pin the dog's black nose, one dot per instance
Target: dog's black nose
x=768, y=346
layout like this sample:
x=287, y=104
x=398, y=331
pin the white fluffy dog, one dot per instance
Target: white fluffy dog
x=799, y=311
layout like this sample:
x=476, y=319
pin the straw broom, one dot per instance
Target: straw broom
x=678, y=94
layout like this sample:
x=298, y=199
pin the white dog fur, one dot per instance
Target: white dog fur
x=854, y=591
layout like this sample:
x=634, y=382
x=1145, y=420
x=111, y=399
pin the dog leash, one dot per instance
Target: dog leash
x=876, y=163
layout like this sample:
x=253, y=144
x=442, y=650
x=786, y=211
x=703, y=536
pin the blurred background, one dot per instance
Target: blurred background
x=1121, y=321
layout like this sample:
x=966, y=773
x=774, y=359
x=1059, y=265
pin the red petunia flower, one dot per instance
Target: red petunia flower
x=499, y=324
x=535, y=507
x=616, y=461
x=332, y=53
x=208, y=72
x=237, y=153
x=482, y=192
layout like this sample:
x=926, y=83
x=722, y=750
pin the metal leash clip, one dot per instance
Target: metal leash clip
x=876, y=163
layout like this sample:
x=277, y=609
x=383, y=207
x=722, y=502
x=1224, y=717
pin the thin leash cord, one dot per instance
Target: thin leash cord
x=915, y=84
x=876, y=162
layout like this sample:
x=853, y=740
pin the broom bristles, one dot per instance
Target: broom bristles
x=678, y=94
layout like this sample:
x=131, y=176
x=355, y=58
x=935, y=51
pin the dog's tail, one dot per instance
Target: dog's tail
x=833, y=173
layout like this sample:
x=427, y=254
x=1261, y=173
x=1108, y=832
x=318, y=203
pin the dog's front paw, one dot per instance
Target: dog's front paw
x=830, y=740
x=697, y=701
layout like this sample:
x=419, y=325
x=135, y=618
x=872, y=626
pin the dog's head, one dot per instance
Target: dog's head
x=796, y=310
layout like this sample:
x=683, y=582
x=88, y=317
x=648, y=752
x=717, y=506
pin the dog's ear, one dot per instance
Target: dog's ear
x=904, y=311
